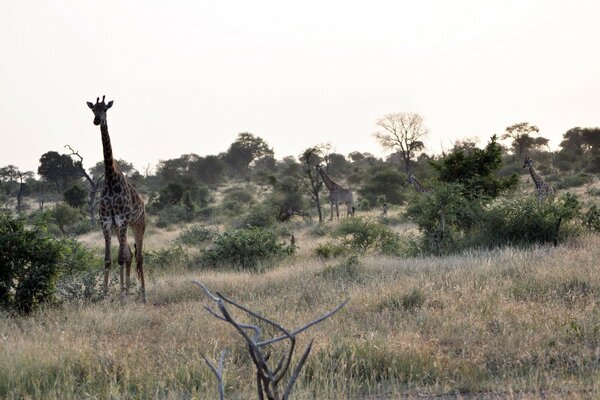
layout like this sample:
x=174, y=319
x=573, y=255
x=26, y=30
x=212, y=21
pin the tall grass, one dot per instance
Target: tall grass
x=502, y=323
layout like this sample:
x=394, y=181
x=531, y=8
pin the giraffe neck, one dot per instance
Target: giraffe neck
x=110, y=172
x=417, y=185
x=537, y=179
x=331, y=185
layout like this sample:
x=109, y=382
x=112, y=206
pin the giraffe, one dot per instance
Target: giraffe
x=337, y=195
x=121, y=206
x=416, y=184
x=542, y=189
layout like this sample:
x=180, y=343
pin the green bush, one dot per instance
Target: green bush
x=522, y=222
x=195, y=235
x=30, y=264
x=65, y=217
x=259, y=216
x=319, y=230
x=173, y=215
x=591, y=219
x=75, y=196
x=173, y=256
x=385, y=184
x=572, y=181
x=329, y=250
x=245, y=248
x=363, y=234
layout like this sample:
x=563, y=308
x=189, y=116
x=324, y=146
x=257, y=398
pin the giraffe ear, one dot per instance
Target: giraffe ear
x=109, y=105
x=90, y=105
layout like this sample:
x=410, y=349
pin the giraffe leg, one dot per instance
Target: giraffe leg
x=331, y=208
x=337, y=211
x=128, y=259
x=107, y=231
x=138, y=234
x=122, y=235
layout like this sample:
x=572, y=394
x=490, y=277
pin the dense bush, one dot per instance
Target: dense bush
x=75, y=196
x=173, y=215
x=329, y=250
x=30, y=263
x=521, y=222
x=259, y=216
x=245, y=248
x=363, y=234
x=66, y=217
x=195, y=235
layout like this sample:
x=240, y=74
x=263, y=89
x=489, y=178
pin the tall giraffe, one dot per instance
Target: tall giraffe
x=337, y=195
x=120, y=206
x=416, y=184
x=542, y=189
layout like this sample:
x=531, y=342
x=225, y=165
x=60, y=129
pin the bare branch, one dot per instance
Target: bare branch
x=218, y=372
x=297, y=370
x=305, y=327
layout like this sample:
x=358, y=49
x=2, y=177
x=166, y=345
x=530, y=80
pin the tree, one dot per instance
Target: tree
x=11, y=175
x=246, y=149
x=476, y=171
x=387, y=183
x=523, y=138
x=310, y=160
x=59, y=169
x=75, y=196
x=403, y=132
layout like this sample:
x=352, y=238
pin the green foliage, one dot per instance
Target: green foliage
x=319, y=230
x=387, y=183
x=31, y=262
x=475, y=171
x=173, y=215
x=521, y=221
x=195, y=235
x=168, y=257
x=244, y=150
x=591, y=219
x=443, y=218
x=236, y=200
x=329, y=250
x=363, y=234
x=59, y=169
x=259, y=216
x=75, y=196
x=573, y=181
x=65, y=216
x=245, y=249
x=349, y=269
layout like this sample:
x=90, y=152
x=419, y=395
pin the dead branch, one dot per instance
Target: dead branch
x=267, y=377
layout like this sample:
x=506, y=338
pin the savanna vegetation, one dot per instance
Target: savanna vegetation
x=471, y=287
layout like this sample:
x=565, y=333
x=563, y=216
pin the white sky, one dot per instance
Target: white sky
x=187, y=76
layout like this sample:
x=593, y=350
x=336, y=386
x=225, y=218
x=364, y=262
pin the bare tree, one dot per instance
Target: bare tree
x=268, y=378
x=94, y=185
x=403, y=132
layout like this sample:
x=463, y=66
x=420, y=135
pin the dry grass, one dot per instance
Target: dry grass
x=499, y=324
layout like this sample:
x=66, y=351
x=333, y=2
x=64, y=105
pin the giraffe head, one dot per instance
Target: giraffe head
x=527, y=162
x=99, y=109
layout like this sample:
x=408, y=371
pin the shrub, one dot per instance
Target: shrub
x=384, y=184
x=75, y=196
x=591, y=219
x=362, y=234
x=245, y=248
x=168, y=257
x=329, y=250
x=30, y=265
x=173, y=215
x=573, y=181
x=66, y=216
x=521, y=221
x=350, y=269
x=195, y=235
x=319, y=230
x=259, y=216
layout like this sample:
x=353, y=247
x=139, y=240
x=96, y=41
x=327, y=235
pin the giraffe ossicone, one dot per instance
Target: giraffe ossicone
x=121, y=207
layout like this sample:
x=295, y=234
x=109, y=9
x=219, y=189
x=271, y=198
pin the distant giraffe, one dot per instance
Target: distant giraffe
x=120, y=206
x=542, y=189
x=416, y=184
x=337, y=195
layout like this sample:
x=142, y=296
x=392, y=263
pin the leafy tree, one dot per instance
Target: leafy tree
x=311, y=181
x=209, y=169
x=387, y=183
x=476, y=171
x=246, y=149
x=59, y=169
x=522, y=135
x=403, y=132
x=125, y=167
x=580, y=149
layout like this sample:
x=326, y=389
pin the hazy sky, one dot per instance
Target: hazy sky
x=187, y=76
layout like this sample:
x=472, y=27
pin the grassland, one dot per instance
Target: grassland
x=507, y=323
